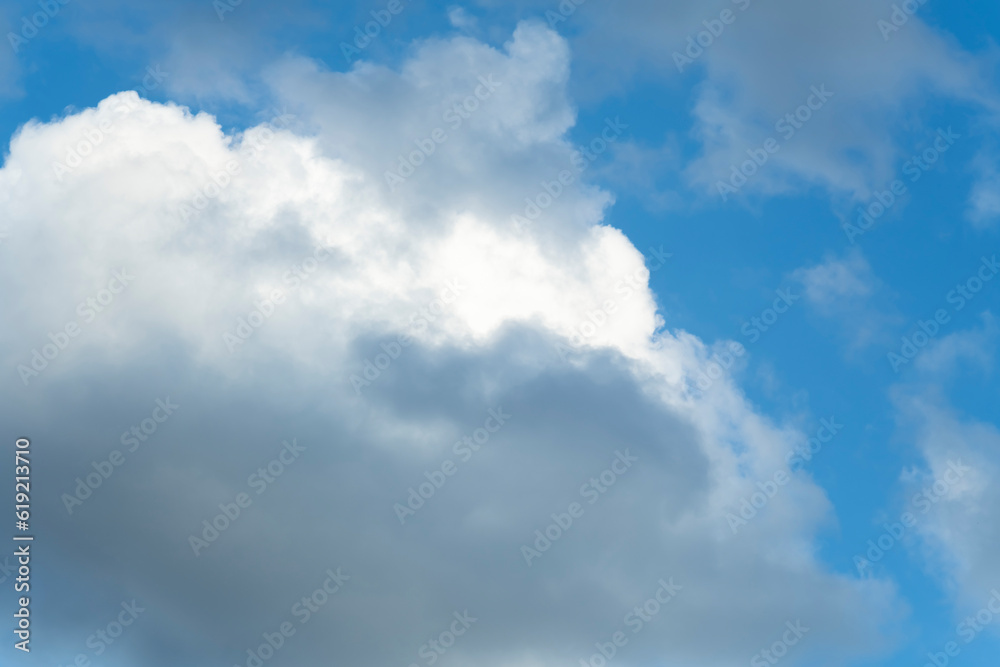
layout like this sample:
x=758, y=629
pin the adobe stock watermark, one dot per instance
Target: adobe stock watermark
x=257, y=138
x=133, y=438
x=699, y=42
x=37, y=21
x=435, y=648
x=769, y=316
x=915, y=167
x=427, y=146
x=259, y=482
x=262, y=310
x=464, y=449
x=598, y=317
x=88, y=310
x=959, y=297
x=899, y=17
x=758, y=325
x=924, y=500
x=223, y=7
x=580, y=160
x=96, y=135
x=303, y=611
x=750, y=506
x=419, y=321
x=779, y=649
x=786, y=126
x=592, y=490
x=6, y=569
x=635, y=620
x=254, y=141
x=968, y=630
x=562, y=13
x=381, y=18
x=103, y=638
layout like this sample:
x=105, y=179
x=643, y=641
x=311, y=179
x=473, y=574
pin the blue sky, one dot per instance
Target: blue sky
x=918, y=107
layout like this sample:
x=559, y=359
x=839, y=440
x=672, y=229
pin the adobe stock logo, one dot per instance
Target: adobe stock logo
x=967, y=631
x=30, y=28
x=959, y=297
x=87, y=309
x=436, y=648
x=427, y=146
x=419, y=322
x=900, y=16
x=938, y=491
x=105, y=468
x=786, y=126
x=915, y=167
x=93, y=137
x=779, y=649
x=750, y=507
x=103, y=638
x=566, y=9
x=304, y=610
x=581, y=160
x=265, y=308
x=698, y=43
x=756, y=326
x=598, y=317
x=259, y=481
x=223, y=7
x=381, y=18
x=464, y=449
x=593, y=489
x=716, y=367
x=636, y=620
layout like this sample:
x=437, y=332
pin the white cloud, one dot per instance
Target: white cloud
x=461, y=19
x=974, y=346
x=763, y=65
x=846, y=290
x=962, y=530
x=391, y=252
x=837, y=279
x=984, y=199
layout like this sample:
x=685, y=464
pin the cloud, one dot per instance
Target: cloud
x=290, y=239
x=461, y=19
x=984, y=199
x=951, y=487
x=846, y=290
x=759, y=68
x=974, y=346
x=837, y=279
x=762, y=62
x=960, y=532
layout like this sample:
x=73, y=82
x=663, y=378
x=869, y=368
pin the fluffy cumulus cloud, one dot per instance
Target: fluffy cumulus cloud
x=399, y=334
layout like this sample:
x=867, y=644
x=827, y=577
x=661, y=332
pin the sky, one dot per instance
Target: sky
x=517, y=334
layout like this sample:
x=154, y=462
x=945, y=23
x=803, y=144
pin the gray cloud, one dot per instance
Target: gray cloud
x=626, y=386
